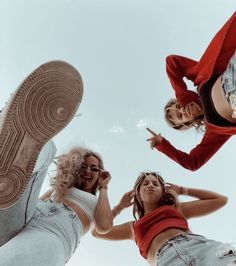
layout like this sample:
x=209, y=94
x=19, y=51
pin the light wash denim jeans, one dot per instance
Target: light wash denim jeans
x=195, y=250
x=228, y=79
x=37, y=233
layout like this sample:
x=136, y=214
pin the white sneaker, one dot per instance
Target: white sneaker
x=43, y=105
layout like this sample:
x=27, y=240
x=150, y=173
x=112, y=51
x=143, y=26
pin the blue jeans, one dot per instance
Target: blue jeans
x=228, y=79
x=34, y=232
x=195, y=250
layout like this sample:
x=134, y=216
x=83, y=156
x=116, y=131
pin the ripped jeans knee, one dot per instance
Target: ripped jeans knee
x=227, y=251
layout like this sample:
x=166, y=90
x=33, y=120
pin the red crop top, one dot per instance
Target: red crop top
x=155, y=222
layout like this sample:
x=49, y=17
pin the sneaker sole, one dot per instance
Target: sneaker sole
x=43, y=105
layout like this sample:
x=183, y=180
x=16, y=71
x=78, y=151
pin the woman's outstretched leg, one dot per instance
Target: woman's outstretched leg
x=33, y=247
x=12, y=219
x=42, y=106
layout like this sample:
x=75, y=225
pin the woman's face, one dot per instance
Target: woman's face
x=150, y=189
x=180, y=115
x=89, y=173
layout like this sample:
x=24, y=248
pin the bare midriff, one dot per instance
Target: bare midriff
x=160, y=239
x=83, y=217
x=221, y=104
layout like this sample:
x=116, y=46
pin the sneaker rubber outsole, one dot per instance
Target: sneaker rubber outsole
x=43, y=105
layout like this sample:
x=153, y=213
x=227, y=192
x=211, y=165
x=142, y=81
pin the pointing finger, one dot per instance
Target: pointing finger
x=150, y=139
x=151, y=131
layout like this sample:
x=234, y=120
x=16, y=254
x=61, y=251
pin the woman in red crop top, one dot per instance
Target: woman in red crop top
x=160, y=228
x=214, y=104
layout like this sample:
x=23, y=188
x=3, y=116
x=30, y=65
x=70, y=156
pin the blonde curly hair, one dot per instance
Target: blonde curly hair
x=169, y=196
x=69, y=169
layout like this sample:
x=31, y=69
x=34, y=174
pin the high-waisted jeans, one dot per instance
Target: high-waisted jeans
x=228, y=79
x=195, y=250
x=34, y=232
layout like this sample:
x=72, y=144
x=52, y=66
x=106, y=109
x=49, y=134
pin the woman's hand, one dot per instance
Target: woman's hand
x=192, y=110
x=176, y=188
x=103, y=179
x=155, y=139
x=126, y=200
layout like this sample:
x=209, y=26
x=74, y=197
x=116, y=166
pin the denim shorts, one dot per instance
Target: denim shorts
x=195, y=250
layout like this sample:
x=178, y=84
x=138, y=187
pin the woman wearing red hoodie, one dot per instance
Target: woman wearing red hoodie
x=214, y=104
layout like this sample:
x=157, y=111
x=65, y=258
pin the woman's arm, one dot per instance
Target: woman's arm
x=123, y=231
x=178, y=67
x=206, y=203
x=118, y=232
x=103, y=214
x=197, y=157
x=46, y=195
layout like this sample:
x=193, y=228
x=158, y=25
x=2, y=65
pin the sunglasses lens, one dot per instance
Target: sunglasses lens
x=95, y=170
x=84, y=167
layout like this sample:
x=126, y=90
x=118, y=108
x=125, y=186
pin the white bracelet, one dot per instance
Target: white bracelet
x=116, y=211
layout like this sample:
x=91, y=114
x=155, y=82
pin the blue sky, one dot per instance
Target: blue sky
x=119, y=47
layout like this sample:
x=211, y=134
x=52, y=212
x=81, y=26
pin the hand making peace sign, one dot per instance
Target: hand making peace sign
x=155, y=139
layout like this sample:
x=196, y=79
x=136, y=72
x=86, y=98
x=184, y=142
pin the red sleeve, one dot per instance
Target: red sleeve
x=198, y=156
x=178, y=67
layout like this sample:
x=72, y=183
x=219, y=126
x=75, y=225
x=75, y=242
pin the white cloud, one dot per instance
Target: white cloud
x=117, y=129
x=144, y=123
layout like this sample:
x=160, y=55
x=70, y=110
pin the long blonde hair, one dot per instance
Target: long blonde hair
x=169, y=197
x=69, y=169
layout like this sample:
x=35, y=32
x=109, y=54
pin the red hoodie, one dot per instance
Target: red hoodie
x=212, y=63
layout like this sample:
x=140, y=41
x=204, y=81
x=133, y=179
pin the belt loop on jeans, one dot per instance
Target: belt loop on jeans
x=167, y=242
